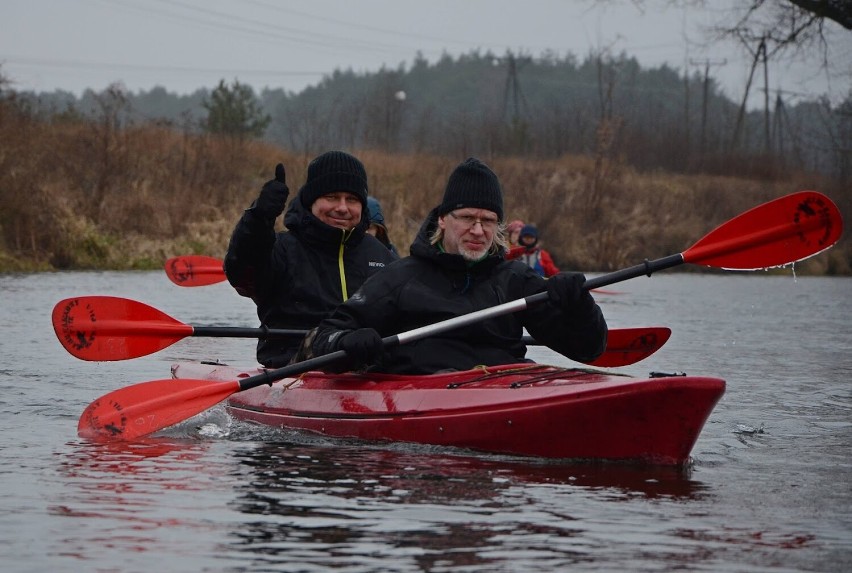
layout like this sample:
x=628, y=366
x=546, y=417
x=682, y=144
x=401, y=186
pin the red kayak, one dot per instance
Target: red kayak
x=521, y=409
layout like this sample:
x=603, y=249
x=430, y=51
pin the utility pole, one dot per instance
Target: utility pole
x=778, y=126
x=704, y=101
x=517, y=130
x=760, y=53
x=514, y=86
x=767, y=142
x=785, y=138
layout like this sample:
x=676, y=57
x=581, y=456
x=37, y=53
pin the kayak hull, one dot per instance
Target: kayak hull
x=521, y=409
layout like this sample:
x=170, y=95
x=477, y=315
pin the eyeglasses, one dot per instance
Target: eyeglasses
x=488, y=223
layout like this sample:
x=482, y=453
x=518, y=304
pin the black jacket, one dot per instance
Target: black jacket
x=430, y=286
x=294, y=277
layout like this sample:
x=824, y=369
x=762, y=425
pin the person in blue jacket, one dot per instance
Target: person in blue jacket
x=297, y=277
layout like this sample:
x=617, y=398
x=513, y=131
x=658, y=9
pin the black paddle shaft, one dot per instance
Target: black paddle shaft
x=239, y=332
x=647, y=268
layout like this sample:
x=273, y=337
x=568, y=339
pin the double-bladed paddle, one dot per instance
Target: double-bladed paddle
x=107, y=328
x=777, y=233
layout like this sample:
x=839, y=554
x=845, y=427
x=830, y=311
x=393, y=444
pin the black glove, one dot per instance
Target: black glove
x=567, y=292
x=363, y=346
x=273, y=195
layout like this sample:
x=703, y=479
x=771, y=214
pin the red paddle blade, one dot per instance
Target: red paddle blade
x=625, y=346
x=113, y=328
x=141, y=409
x=777, y=233
x=194, y=270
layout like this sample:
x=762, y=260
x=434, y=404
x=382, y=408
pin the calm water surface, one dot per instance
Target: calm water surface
x=770, y=488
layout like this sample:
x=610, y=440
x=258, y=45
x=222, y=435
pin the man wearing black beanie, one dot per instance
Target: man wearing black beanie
x=296, y=278
x=458, y=266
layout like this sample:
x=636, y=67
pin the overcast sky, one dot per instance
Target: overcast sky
x=183, y=45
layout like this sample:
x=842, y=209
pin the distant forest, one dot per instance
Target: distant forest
x=521, y=106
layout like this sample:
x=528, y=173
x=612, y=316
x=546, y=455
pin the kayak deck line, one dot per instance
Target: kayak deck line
x=546, y=373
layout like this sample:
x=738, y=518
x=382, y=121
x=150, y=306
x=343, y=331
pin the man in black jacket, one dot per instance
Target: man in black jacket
x=297, y=278
x=457, y=266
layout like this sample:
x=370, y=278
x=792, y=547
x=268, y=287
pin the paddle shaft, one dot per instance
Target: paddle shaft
x=624, y=347
x=240, y=332
x=267, y=333
x=647, y=268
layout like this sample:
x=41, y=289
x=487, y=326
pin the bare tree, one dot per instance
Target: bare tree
x=838, y=10
x=785, y=25
x=810, y=14
x=771, y=31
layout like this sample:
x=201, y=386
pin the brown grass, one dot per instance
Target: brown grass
x=81, y=195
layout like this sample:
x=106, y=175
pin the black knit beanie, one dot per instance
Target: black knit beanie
x=472, y=184
x=334, y=171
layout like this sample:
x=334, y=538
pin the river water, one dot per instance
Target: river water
x=770, y=488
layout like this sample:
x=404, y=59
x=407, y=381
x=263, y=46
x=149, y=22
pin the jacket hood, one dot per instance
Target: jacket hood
x=375, y=211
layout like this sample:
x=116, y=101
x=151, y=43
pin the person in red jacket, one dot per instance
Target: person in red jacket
x=529, y=251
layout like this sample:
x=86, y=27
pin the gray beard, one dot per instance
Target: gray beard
x=472, y=256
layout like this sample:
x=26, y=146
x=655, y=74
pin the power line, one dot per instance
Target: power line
x=355, y=25
x=257, y=30
x=78, y=64
x=217, y=20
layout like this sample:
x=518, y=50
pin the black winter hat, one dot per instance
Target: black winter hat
x=334, y=171
x=472, y=184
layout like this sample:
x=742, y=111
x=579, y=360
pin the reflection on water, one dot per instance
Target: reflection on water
x=430, y=471
x=131, y=499
x=349, y=506
x=121, y=480
x=296, y=501
x=353, y=506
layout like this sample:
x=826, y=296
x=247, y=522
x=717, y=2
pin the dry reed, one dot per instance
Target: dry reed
x=90, y=195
